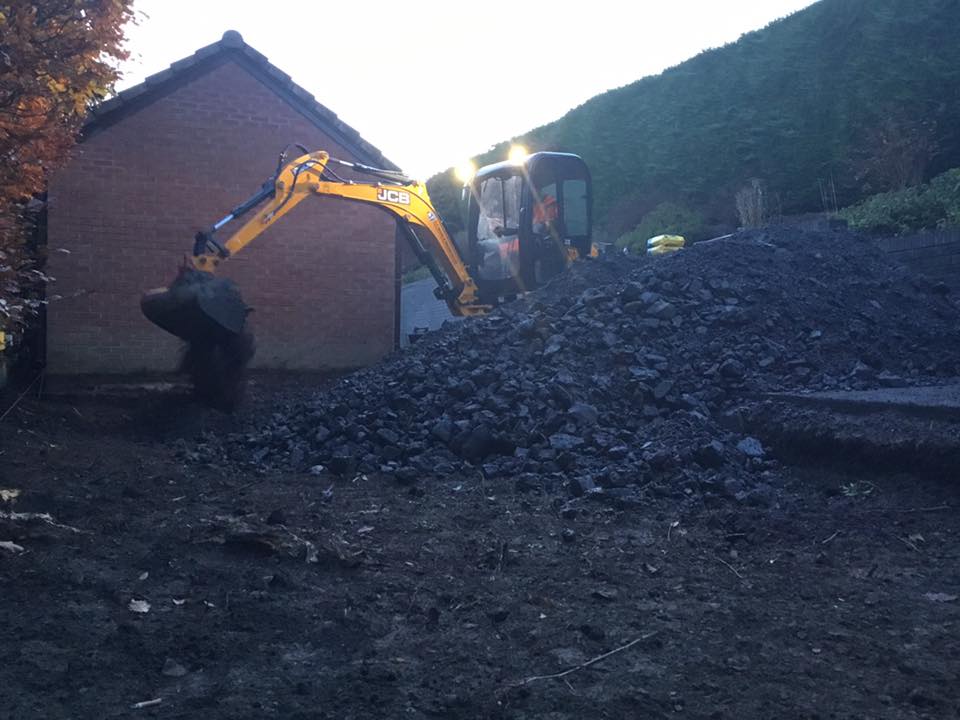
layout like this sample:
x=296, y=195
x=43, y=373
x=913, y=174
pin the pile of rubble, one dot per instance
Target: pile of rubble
x=619, y=375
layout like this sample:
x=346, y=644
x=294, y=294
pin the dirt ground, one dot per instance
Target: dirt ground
x=164, y=588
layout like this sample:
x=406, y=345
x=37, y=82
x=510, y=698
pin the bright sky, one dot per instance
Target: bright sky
x=434, y=82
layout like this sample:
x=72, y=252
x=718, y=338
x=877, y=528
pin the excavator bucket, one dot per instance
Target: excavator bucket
x=209, y=314
x=197, y=307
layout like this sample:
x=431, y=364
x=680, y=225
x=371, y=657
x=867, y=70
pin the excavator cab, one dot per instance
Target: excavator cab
x=526, y=221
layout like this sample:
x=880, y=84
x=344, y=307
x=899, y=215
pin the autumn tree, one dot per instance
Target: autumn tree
x=57, y=57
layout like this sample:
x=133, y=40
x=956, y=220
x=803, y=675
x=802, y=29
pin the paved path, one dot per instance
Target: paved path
x=941, y=401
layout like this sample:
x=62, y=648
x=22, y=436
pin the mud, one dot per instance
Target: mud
x=577, y=507
x=275, y=594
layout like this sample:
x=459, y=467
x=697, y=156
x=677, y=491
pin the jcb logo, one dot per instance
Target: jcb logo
x=394, y=196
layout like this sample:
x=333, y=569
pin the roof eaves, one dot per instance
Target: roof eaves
x=232, y=43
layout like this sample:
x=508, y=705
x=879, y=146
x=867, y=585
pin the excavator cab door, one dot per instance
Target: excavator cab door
x=523, y=221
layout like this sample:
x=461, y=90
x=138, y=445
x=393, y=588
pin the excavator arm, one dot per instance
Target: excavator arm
x=314, y=174
x=208, y=312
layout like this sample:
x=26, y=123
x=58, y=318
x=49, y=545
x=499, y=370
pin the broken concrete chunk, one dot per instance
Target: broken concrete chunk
x=563, y=441
x=751, y=447
x=662, y=310
x=662, y=389
x=583, y=413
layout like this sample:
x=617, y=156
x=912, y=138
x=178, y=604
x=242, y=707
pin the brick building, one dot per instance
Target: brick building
x=171, y=156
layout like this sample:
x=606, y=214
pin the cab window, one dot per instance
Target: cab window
x=545, y=209
x=575, y=216
x=497, y=227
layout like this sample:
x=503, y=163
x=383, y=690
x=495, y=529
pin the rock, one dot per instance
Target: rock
x=751, y=447
x=406, y=475
x=480, y=442
x=443, y=430
x=921, y=698
x=593, y=632
x=732, y=369
x=527, y=482
x=568, y=535
x=761, y=496
x=623, y=498
x=463, y=390
x=317, y=469
x=387, y=437
x=662, y=389
x=582, y=485
x=594, y=296
x=171, y=668
x=618, y=452
x=711, y=455
x=563, y=441
x=888, y=379
x=498, y=615
x=631, y=292
x=554, y=345
x=861, y=371
x=733, y=487
x=662, y=310
x=527, y=328
x=281, y=581
x=562, y=396
x=650, y=411
x=343, y=464
x=583, y=413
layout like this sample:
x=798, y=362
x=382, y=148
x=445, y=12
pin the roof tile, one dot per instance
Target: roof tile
x=159, y=77
x=232, y=44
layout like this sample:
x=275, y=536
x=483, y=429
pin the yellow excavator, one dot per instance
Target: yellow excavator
x=526, y=219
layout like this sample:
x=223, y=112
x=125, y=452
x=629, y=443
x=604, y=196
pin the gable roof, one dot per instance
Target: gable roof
x=232, y=48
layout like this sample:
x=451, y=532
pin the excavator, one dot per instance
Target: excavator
x=527, y=219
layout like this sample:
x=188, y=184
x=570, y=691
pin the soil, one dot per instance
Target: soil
x=275, y=593
x=579, y=506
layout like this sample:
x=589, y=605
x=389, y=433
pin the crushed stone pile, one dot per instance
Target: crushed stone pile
x=615, y=380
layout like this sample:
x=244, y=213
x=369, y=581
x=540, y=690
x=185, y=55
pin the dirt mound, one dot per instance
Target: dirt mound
x=616, y=377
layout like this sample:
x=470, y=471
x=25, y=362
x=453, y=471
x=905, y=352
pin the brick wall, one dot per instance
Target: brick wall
x=129, y=202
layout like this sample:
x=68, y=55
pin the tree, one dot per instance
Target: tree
x=57, y=57
x=791, y=103
x=897, y=152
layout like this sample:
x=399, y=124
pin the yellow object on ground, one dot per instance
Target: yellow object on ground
x=662, y=244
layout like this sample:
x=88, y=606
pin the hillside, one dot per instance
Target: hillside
x=800, y=104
